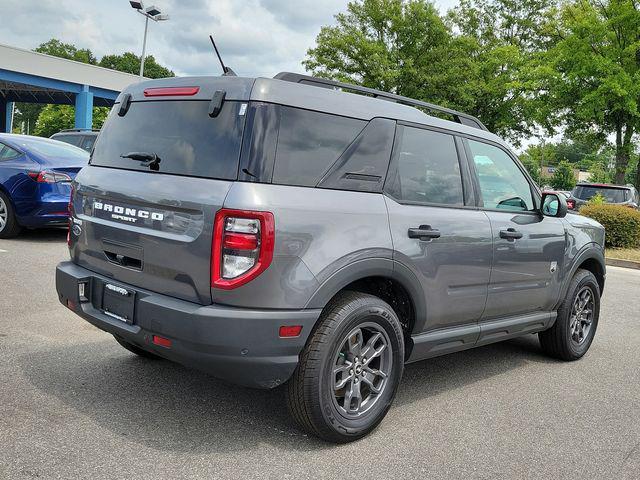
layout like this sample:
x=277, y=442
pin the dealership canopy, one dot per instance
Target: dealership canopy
x=27, y=76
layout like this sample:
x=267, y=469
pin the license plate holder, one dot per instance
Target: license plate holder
x=119, y=302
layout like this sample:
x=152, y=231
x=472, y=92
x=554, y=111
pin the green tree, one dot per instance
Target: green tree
x=130, y=63
x=563, y=178
x=599, y=174
x=533, y=168
x=66, y=50
x=593, y=71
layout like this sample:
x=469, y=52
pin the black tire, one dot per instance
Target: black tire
x=311, y=392
x=135, y=349
x=559, y=341
x=10, y=227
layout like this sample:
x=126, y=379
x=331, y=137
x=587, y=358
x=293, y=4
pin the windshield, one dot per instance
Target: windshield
x=179, y=136
x=53, y=148
x=610, y=194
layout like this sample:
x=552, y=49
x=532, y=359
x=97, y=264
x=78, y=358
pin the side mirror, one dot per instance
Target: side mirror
x=554, y=205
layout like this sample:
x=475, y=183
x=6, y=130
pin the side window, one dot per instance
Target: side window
x=502, y=184
x=7, y=153
x=309, y=143
x=427, y=168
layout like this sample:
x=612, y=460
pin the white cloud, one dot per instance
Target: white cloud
x=256, y=37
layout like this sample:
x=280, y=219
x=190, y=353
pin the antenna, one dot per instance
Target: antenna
x=226, y=70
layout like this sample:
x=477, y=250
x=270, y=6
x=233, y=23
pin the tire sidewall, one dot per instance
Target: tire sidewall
x=11, y=227
x=386, y=318
x=589, y=280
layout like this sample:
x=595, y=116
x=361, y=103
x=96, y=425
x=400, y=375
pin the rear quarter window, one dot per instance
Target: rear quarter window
x=181, y=133
x=309, y=143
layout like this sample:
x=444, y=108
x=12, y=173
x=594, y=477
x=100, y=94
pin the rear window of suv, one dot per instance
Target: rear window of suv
x=182, y=135
x=611, y=195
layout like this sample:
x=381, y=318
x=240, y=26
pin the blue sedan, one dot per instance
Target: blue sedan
x=35, y=181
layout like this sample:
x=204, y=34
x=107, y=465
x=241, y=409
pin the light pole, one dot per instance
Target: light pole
x=152, y=13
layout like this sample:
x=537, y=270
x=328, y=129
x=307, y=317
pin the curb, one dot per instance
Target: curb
x=615, y=262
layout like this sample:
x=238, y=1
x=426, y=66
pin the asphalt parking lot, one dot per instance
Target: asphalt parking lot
x=74, y=404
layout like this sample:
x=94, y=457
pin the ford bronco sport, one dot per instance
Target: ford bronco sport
x=320, y=235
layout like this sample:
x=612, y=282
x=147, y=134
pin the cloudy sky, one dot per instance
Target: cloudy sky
x=256, y=37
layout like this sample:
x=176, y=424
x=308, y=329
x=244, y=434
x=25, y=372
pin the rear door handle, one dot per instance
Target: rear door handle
x=424, y=233
x=510, y=234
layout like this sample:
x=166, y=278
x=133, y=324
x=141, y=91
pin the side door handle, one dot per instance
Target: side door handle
x=424, y=233
x=510, y=234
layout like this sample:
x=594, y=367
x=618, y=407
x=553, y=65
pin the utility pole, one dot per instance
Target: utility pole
x=152, y=13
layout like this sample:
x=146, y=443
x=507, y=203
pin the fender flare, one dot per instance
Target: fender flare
x=373, y=267
x=588, y=252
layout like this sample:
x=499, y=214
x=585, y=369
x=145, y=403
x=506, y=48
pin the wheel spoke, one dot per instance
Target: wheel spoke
x=352, y=396
x=370, y=382
x=345, y=376
x=354, y=343
x=370, y=351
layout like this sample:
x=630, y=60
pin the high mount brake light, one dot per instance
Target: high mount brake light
x=243, y=243
x=170, y=91
x=46, y=176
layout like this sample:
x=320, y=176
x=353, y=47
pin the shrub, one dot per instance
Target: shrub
x=597, y=199
x=622, y=224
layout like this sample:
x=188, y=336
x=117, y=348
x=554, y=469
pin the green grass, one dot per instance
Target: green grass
x=624, y=253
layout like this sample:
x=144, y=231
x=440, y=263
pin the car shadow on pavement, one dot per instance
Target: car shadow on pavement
x=42, y=235
x=167, y=407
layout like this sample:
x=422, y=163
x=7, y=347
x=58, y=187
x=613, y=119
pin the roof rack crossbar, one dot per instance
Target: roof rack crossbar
x=459, y=117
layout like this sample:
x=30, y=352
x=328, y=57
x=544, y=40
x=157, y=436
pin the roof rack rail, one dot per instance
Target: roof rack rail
x=67, y=130
x=459, y=117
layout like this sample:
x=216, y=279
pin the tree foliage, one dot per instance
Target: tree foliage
x=130, y=63
x=593, y=71
x=563, y=178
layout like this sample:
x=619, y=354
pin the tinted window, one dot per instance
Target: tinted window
x=427, y=168
x=180, y=133
x=70, y=139
x=611, y=195
x=7, y=153
x=363, y=165
x=309, y=143
x=502, y=184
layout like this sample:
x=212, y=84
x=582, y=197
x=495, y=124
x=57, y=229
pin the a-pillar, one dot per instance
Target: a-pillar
x=84, y=108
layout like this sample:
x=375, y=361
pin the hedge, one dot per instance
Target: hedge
x=622, y=224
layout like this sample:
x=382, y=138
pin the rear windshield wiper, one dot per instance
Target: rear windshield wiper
x=146, y=159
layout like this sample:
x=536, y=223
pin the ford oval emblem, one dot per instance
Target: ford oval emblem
x=76, y=229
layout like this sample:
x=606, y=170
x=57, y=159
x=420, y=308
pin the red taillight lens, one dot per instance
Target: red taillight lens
x=243, y=243
x=571, y=204
x=170, y=91
x=49, y=177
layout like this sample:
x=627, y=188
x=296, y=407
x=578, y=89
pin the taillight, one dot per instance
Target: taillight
x=47, y=176
x=243, y=243
x=571, y=204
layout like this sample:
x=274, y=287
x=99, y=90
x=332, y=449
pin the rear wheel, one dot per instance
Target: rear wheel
x=8, y=223
x=350, y=369
x=135, y=349
x=572, y=334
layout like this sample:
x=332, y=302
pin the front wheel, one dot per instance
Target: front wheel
x=572, y=334
x=350, y=369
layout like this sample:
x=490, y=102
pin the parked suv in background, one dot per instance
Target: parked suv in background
x=625, y=195
x=85, y=139
x=301, y=231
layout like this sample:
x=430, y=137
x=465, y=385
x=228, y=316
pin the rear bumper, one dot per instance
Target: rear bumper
x=238, y=345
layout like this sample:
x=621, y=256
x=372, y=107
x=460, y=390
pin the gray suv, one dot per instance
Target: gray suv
x=300, y=232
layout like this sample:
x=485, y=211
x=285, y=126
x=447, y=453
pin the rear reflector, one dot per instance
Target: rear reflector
x=170, y=91
x=71, y=304
x=287, y=331
x=161, y=341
